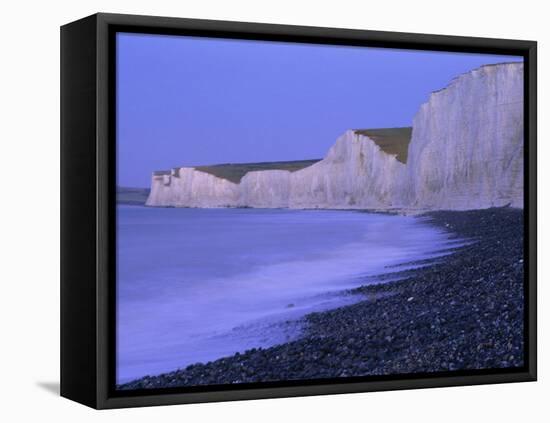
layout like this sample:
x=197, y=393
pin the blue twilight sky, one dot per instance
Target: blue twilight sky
x=193, y=101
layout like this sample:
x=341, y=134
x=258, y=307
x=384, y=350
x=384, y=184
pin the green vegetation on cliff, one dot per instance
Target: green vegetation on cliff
x=394, y=141
x=235, y=171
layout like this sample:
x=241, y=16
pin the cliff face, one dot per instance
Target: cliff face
x=265, y=189
x=356, y=173
x=187, y=187
x=466, y=152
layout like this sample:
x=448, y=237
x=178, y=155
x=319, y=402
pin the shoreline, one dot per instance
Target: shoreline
x=397, y=211
x=459, y=312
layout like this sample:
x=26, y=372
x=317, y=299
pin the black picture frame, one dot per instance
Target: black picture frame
x=88, y=151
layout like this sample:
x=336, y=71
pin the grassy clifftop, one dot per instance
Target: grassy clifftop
x=235, y=171
x=393, y=141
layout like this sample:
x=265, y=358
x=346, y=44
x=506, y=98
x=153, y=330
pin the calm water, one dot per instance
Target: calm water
x=195, y=285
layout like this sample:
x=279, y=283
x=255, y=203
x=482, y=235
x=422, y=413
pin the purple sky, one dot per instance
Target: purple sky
x=191, y=101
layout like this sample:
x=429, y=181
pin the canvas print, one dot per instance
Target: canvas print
x=291, y=212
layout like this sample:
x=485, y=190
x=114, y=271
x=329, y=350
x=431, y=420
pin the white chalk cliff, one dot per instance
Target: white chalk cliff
x=187, y=187
x=466, y=152
x=467, y=146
